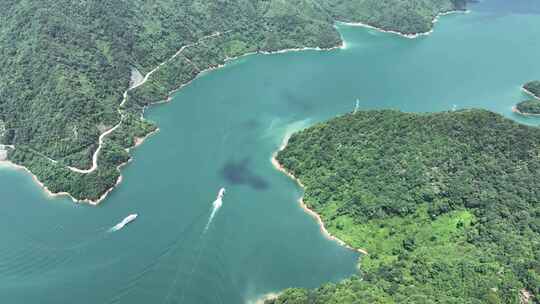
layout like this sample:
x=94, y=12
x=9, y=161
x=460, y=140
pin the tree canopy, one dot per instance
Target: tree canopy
x=533, y=87
x=531, y=106
x=64, y=66
x=446, y=204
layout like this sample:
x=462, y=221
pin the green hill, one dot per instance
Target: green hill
x=533, y=87
x=531, y=106
x=446, y=205
x=64, y=66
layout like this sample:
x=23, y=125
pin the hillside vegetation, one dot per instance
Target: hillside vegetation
x=64, y=66
x=533, y=87
x=531, y=106
x=404, y=16
x=446, y=204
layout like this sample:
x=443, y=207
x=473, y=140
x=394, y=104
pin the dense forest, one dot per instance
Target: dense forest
x=446, y=204
x=533, y=87
x=531, y=106
x=407, y=17
x=64, y=66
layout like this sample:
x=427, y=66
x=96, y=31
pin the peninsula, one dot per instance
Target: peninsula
x=530, y=107
x=67, y=107
x=533, y=88
x=444, y=203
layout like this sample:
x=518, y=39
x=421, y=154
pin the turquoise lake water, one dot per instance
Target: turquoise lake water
x=220, y=131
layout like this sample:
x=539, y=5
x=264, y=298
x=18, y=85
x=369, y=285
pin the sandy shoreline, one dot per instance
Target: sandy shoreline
x=9, y=164
x=133, y=85
x=530, y=93
x=139, y=141
x=60, y=194
x=408, y=36
x=515, y=110
x=303, y=205
x=265, y=297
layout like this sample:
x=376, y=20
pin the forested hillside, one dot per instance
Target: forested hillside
x=533, y=87
x=447, y=205
x=404, y=16
x=64, y=66
x=531, y=106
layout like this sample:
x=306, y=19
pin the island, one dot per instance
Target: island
x=74, y=82
x=446, y=205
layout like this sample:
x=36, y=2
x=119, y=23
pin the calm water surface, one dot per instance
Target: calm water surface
x=221, y=131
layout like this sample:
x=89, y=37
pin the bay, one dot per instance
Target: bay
x=221, y=131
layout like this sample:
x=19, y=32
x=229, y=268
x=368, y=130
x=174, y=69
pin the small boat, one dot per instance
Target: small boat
x=221, y=193
x=130, y=218
x=219, y=199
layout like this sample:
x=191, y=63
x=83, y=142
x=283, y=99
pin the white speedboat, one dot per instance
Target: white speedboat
x=130, y=218
x=221, y=193
x=219, y=199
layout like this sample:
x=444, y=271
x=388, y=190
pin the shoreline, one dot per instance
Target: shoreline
x=13, y=166
x=530, y=93
x=265, y=297
x=404, y=35
x=138, y=141
x=125, y=97
x=48, y=192
x=515, y=110
x=303, y=205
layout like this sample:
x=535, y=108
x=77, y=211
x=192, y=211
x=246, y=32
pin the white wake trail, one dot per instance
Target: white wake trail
x=130, y=218
x=216, y=205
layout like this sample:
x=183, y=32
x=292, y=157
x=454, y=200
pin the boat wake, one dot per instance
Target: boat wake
x=130, y=218
x=216, y=205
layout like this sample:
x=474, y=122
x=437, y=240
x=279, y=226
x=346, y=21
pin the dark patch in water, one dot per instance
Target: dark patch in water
x=295, y=101
x=251, y=124
x=239, y=173
x=267, y=83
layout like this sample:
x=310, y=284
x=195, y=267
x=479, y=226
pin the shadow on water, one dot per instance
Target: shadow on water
x=251, y=124
x=240, y=173
x=221, y=130
x=295, y=101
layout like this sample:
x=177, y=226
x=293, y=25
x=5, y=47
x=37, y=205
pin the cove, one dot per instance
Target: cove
x=220, y=131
